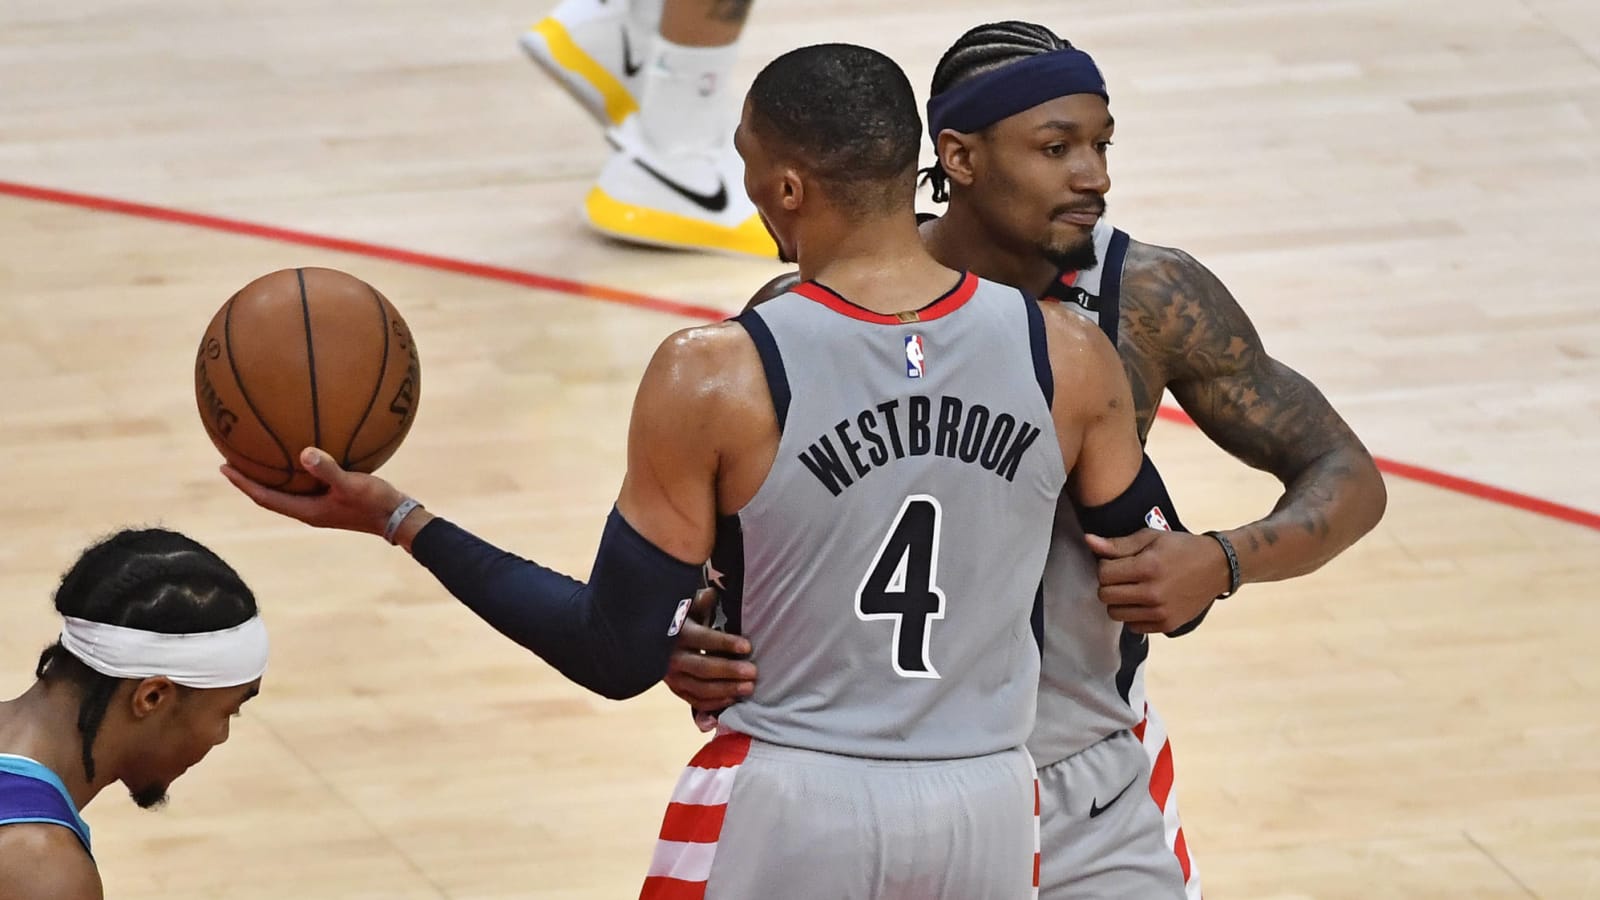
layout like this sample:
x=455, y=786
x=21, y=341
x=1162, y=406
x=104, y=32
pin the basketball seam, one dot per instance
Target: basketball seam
x=227, y=345
x=215, y=435
x=311, y=360
x=379, y=452
x=377, y=386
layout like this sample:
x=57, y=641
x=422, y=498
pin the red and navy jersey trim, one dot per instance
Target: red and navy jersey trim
x=951, y=301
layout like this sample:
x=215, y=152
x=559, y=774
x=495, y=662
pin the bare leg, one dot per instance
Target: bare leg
x=704, y=23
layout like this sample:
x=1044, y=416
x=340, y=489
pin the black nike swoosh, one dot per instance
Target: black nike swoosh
x=709, y=202
x=629, y=67
x=1095, y=809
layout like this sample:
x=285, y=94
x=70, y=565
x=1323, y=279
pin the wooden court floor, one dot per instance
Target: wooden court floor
x=1401, y=193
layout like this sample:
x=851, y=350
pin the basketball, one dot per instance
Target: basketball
x=306, y=357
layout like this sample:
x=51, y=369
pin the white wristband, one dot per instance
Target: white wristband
x=397, y=517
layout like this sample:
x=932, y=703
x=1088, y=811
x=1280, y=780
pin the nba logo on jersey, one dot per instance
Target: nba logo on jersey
x=1156, y=520
x=915, y=367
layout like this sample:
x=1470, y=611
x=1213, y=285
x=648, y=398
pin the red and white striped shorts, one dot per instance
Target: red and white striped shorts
x=1152, y=733
x=750, y=819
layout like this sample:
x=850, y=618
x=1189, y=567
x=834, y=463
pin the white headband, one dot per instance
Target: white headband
x=209, y=659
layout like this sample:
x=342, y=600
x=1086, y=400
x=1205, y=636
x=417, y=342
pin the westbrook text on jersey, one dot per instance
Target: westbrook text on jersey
x=895, y=430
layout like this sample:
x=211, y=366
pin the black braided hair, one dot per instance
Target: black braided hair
x=150, y=579
x=984, y=49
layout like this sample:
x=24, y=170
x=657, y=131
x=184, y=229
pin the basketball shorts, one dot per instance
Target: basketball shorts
x=750, y=820
x=1101, y=834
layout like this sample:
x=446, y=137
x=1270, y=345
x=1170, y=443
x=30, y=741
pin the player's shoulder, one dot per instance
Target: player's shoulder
x=1070, y=333
x=42, y=861
x=773, y=289
x=1155, y=275
x=708, y=347
x=712, y=362
x=1144, y=257
x=1172, y=305
x=1083, y=363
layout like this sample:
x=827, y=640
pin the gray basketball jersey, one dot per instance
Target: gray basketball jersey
x=887, y=568
x=1091, y=666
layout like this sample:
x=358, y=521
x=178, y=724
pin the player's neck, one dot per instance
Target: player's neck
x=958, y=240
x=878, y=264
x=42, y=725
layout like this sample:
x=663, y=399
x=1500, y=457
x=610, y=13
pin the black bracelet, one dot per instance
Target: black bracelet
x=1234, y=577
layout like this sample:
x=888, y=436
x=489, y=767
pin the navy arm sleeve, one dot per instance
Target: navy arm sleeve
x=612, y=635
x=1145, y=504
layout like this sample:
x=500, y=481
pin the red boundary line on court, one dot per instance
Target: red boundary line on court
x=1457, y=484
x=360, y=248
x=1427, y=476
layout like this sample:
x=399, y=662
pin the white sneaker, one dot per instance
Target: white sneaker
x=594, y=50
x=691, y=202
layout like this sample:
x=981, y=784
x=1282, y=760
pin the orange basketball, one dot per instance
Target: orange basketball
x=306, y=357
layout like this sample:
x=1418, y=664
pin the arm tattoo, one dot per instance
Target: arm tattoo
x=1182, y=323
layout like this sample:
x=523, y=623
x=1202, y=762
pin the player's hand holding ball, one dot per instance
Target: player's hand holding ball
x=352, y=501
x=306, y=380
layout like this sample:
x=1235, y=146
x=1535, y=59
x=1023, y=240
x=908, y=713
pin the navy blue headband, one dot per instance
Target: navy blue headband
x=982, y=101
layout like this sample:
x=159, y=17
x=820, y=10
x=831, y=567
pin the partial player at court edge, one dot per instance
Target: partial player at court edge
x=889, y=526
x=1021, y=124
x=655, y=74
x=160, y=645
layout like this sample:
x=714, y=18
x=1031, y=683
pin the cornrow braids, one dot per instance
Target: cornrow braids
x=981, y=50
x=151, y=579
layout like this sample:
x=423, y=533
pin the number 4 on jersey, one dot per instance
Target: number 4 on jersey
x=900, y=585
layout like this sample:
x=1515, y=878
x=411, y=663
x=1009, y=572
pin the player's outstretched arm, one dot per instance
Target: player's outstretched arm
x=614, y=633
x=1264, y=413
x=1114, y=487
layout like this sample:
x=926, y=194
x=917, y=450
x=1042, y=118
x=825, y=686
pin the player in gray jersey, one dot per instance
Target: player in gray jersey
x=876, y=457
x=1026, y=187
x=901, y=446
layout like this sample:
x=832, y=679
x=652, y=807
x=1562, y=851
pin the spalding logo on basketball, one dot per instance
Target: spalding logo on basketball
x=306, y=357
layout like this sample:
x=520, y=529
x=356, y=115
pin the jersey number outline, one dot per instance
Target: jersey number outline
x=902, y=584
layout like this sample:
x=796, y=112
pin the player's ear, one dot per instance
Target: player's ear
x=794, y=190
x=150, y=695
x=955, y=155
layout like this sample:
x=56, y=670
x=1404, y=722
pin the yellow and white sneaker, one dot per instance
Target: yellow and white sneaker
x=691, y=201
x=596, y=51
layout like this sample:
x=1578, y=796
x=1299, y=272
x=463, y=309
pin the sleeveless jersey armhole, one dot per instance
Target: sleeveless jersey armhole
x=771, y=362
x=1111, y=285
x=1041, y=349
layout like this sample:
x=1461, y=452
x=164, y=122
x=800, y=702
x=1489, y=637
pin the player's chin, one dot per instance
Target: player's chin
x=1070, y=247
x=152, y=796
